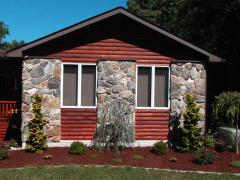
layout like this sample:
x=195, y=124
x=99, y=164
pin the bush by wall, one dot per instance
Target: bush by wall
x=191, y=139
x=37, y=138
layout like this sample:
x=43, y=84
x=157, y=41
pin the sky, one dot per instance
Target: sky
x=31, y=19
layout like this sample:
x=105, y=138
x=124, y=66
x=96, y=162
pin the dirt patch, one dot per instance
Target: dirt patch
x=60, y=156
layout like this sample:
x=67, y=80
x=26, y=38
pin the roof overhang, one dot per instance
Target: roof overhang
x=18, y=52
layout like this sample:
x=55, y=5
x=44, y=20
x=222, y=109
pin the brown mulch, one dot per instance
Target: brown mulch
x=60, y=156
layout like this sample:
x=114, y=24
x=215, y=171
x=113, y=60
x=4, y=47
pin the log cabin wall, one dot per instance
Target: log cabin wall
x=117, y=37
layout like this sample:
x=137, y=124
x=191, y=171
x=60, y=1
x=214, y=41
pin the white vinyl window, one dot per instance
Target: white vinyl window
x=152, y=87
x=79, y=85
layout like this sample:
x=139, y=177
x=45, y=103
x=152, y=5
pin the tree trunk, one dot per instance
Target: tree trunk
x=237, y=132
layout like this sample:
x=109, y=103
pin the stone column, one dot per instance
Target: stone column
x=188, y=78
x=42, y=76
x=116, y=80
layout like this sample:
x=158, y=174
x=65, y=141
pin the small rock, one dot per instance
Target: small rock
x=203, y=74
x=126, y=94
x=115, y=89
x=113, y=81
x=114, y=96
x=101, y=90
x=179, y=69
x=37, y=72
x=199, y=67
x=188, y=66
x=185, y=74
x=54, y=83
x=54, y=131
x=194, y=73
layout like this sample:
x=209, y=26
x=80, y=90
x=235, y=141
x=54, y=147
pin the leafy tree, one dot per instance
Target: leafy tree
x=211, y=25
x=191, y=139
x=226, y=106
x=4, y=31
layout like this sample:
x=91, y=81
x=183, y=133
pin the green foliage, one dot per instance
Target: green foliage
x=3, y=154
x=209, y=140
x=235, y=164
x=116, y=128
x=3, y=32
x=159, y=148
x=206, y=157
x=191, y=139
x=7, y=45
x=77, y=148
x=93, y=156
x=225, y=108
x=173, y=159
x=210, y=24
x=37, y=138
x=138, y=157
x=117, y=161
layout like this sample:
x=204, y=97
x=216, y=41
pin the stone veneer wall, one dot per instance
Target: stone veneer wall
x=116, y=80
x=188, y=78
x=42, y=76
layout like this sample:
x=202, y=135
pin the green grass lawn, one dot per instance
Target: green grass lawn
x=93, y=172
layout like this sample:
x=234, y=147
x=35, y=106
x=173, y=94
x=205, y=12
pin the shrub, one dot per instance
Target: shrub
x=191, y=139
x=37, y=138
x=77, y=148
x=93, y=156
x=138, y=157
x=3, y=154
x=206, y=157
x=117, y=161
x=209, y=140
x=48, y=157
x=159, y=148
x=116, y=127
x=173, y=159
x=235, y=164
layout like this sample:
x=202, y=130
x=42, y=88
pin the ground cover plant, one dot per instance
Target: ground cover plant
x=77, y=148
x=207, y=156
x=235, y=164
x=159, y=148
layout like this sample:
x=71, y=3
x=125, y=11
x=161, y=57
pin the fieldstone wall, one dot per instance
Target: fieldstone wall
x=188, y=78
x=116, y=80
x=42, y=76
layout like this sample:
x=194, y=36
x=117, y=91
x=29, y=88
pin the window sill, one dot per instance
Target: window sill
x=79, y=107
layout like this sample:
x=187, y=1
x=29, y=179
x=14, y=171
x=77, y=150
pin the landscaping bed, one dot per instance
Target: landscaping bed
x=61, y=156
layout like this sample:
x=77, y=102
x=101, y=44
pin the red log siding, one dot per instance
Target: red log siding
x=3, y=127
x=111, y=49
x=151, y=124
x=78, y=124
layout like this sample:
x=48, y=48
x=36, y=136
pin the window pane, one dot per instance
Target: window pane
x=144, y=87
x=161, y=87
x=88, y=85
x=70, y=80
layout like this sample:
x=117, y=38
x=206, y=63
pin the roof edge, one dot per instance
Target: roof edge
x=17, y=52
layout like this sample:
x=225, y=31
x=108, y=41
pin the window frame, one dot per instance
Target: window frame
x=79, y=84
x=153, y=67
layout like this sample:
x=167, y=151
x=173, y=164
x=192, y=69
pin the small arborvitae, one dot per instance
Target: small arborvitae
x=37, y=138
x=191, y=139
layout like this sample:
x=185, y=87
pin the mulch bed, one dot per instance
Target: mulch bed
x=60, y=156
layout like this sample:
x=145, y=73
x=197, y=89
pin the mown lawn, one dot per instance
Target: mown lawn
x=93, y=172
